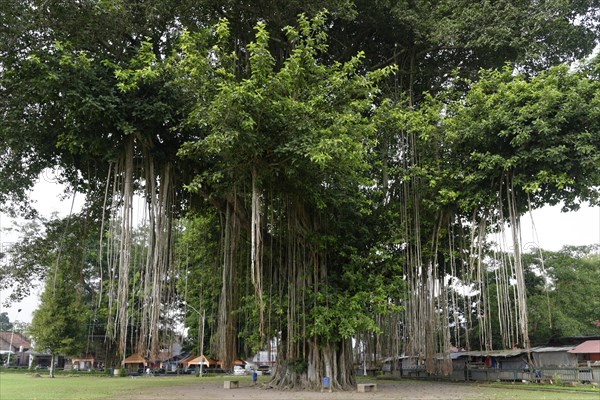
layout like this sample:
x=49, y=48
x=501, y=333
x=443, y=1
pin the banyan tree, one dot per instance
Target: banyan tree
x=286, y=150
x=295, y=158
x=348, y=197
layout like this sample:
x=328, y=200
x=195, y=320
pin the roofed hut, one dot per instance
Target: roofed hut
x=134, y=362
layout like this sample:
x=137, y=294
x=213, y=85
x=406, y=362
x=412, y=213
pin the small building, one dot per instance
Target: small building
x=208, y=363
x=556, y=356
x=264, y=358
x=167, y=361
x=588, y=352
x=17, y=346
x=43, y=359
x=184, y=362
x=134, y=362
x=83, y=363
x=500, y=359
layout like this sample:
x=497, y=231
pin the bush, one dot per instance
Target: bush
x=557, y=380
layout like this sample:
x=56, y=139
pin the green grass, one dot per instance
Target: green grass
x=510, y=391
x=14, y=386
x=524, y=393
x=530, y=391
x=541, y=386
x=19, y=386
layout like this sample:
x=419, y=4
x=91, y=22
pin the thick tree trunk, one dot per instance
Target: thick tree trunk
x=332, y=360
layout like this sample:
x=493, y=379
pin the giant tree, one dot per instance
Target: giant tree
x=280, y=144
x=64, y=106
x=284, y=154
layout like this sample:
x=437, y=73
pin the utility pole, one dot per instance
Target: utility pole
x=202, y=335
x=202, y=341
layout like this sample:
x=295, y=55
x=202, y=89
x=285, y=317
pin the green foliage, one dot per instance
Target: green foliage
x=59, y=255
x=200, y=282
x=561, y=301
x=304, y=117
x=5, y=324
x=300, y=366
x=301, y=123
x=33, y=257
x=59, y=324
x=538, y=133
x=567, y=304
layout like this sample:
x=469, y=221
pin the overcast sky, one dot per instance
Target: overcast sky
x=553, y=230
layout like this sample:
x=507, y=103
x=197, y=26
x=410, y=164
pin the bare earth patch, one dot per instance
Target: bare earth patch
x=385, y=390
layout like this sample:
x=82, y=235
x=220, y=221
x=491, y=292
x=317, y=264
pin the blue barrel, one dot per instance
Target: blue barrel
x=326, y=382
x=254, y=377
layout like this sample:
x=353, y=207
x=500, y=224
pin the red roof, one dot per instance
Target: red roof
x=186, y=360
x=16, y=339
x=588, y=347
x=205, y=360
x=134, y=359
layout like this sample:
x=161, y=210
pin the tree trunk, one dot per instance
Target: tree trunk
x=333, y=360
x=52, y=357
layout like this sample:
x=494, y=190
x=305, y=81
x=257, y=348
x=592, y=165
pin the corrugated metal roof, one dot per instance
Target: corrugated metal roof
x=495, y=353
x=492, y=353
x=588, y=347
x=550, y=349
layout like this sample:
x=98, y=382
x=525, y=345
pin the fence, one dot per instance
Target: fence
x=564, y=375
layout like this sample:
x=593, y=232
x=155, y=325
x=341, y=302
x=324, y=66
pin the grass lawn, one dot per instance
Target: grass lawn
x=523, y=392
x=14, y=386
x=19, y=386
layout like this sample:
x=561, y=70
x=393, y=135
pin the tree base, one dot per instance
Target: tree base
x=327, y=368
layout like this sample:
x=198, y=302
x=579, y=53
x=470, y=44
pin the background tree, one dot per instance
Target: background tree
x=59, y=325
x=5, y=324
x=200, y=282
x=563, y=303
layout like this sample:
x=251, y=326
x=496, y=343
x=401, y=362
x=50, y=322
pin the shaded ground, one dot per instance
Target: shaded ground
x=401, y=390
x=385, y=390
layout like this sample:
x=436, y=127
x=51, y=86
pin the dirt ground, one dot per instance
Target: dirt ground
x=406, y=390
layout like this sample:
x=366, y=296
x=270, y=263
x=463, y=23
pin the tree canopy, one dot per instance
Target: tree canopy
x=343, y=169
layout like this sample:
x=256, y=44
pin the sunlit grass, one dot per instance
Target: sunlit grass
x=27, y=387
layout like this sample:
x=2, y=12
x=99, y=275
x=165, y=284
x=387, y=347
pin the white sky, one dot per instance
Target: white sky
x=553, y=230
x=48, y=197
